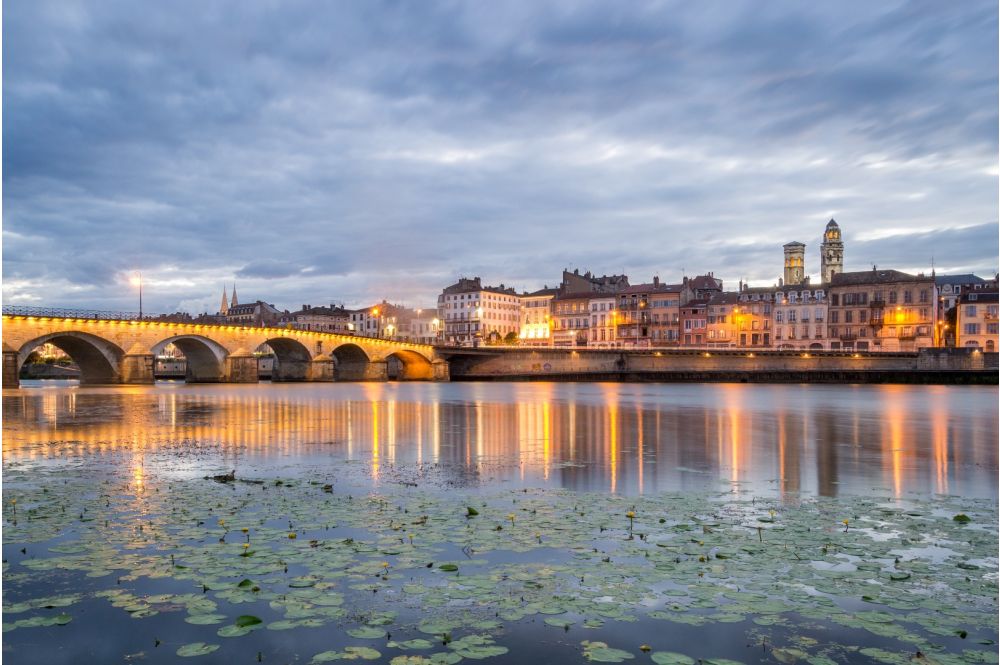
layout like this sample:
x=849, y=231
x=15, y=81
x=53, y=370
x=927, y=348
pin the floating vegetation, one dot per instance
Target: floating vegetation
x=430, y=585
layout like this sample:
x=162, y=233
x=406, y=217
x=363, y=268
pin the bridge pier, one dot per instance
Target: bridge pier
x=290, y=370
x=137, y=366
x=321, y=368
x=376, y=370
x=240, y=367
x=10, y=378
x=440, y=371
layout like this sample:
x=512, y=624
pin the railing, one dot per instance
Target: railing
x=61, y=313
x=876, y=304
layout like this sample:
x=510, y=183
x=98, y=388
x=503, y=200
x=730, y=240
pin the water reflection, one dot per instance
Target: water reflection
x=600, y=437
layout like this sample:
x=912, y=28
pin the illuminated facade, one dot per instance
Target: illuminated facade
x=322, y=319
x=977, y=323
x=535, y=318
x=571, y=319
x=882, y=310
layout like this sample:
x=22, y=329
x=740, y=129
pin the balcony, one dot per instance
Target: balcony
x=876, y=304
x=848, y=335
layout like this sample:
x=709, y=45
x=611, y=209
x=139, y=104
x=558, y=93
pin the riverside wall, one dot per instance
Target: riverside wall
x=924, y=366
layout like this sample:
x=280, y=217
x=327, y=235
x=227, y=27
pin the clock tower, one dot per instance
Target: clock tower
x=831, y=257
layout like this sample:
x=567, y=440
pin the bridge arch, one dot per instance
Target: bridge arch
x=350, y=363
x=291, y=359
x=205, y=357
x=98, y=359
x=409, y=365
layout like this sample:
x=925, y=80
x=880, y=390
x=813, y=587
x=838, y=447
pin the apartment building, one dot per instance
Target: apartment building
x=977, y=325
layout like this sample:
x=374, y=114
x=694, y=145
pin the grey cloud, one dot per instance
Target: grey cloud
x=353, y=151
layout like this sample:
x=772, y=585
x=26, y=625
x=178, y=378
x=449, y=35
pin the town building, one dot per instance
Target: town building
x=571, y=319
x=752, y=316
x=949, y=289
x=702, y=287
x=603, y=321
x=881, y=310
x=799, y=318
x=977, y=323
x=694, y=319
x=649, y=314
x=535, y=318
x=320, y=319
x=474, y=314
x=257, y=313
x=422, y=328
x=720, y=324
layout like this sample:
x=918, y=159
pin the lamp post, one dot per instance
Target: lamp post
x=137, y=281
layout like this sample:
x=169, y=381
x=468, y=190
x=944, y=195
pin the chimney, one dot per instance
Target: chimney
x=685, y=280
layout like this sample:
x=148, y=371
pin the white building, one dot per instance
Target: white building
x=800, y=316
x=536, y=318
x=475, y=314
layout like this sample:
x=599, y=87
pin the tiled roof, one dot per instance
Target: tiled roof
x=652, y=288
x=725, y=298
x=874, y=277
x=968, y=278
x=974, y=297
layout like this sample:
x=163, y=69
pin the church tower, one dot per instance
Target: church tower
x=831, y=256
x=235, y=301
x=795, y=263
x=224, y=308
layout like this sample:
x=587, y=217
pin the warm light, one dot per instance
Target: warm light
x=805, y=355
x=135, y=280
x=375, y=311
x=708, y=355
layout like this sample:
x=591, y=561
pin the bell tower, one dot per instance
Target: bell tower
x=795, y=263
x=831, y=253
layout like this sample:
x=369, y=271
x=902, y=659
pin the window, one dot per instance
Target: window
x=970, y=310
x=907, y=296
x=892, y=297
x=835, y=300
x=791, y=316
x=992, y=328
x=778, y=316
x=923, y=295
x=834, y=316
x=863, y=316
x=849, y=316
x=971, y=329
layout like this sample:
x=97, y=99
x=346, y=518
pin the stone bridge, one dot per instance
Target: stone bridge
x=124, y=351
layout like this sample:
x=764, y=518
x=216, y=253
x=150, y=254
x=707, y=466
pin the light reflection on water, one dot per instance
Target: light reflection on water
x=627, y=438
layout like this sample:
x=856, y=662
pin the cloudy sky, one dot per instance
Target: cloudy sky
x=318, y=152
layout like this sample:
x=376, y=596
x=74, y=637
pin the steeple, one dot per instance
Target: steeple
x=235, y=301
x=224, y=308
x=831, y=256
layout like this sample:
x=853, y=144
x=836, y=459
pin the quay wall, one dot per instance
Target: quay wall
x=925, y=366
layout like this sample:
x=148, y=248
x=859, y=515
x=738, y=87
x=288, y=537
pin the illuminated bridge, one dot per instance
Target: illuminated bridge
x=115, y=347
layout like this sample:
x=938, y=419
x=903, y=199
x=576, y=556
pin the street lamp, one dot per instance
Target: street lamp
x=137, y=281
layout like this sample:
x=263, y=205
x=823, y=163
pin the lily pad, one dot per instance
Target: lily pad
x=196, y=649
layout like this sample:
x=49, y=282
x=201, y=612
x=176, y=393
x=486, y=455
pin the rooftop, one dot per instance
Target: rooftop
x=875, y=277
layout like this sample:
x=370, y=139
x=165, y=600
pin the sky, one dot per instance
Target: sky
x=354, y=151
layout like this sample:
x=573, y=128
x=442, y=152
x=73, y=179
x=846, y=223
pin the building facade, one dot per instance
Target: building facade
x=648, y=315
x=800, y=316
x=694, y=323
x=571, y=319
x=603, y=322
x=475, y=314
x=977, y=324
x=321, y=319
x=536, y=318
x=881, y=310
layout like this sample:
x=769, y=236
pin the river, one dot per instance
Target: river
x=102, y=484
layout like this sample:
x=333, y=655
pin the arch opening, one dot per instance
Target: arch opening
x=815, y=346
x=204, y=358
x=405, y=365
x=291, y=359
x=98, y=359
x=350, y=363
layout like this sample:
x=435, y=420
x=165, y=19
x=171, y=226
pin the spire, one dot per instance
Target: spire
x=235, y=301
x=224, y=309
